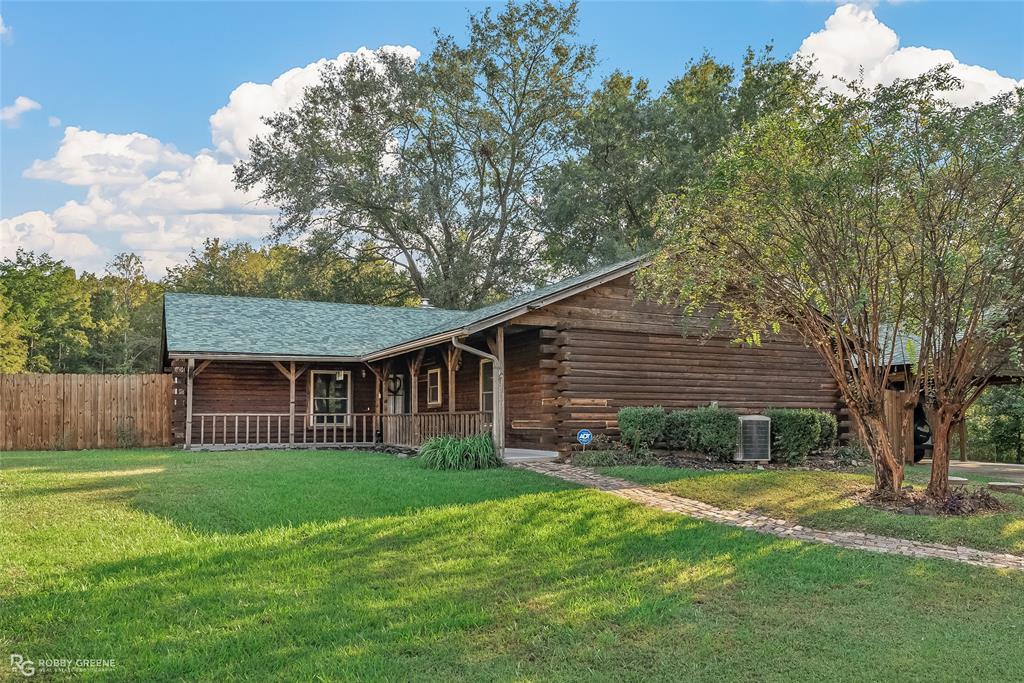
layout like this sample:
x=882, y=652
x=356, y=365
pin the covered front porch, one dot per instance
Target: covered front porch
x=450, y=389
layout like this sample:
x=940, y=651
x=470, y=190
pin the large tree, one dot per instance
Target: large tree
x=632, y=147
x=965, y=197
x=799, y=223
x=13, y=348
x=434, y=162
x=126, y=310
x=51, y=308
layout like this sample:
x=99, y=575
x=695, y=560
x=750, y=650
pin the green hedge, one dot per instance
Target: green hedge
x=708, y=430
x=453, y=453
x=715, y=431
x=796, y=433
x=641, y=427
x=829, y=426
x=678, y=431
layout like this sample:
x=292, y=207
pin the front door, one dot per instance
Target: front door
x=394, y=395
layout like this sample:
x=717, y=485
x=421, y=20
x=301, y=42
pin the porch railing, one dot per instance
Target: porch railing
x=271, y=430
x=412, y=430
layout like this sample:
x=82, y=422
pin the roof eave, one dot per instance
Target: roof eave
x=511, y=314
x=207, y=355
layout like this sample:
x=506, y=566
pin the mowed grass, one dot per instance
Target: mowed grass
x=342, y=566
x=826, y=500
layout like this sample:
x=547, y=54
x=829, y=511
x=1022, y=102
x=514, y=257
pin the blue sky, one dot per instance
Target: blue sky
x=161, y=69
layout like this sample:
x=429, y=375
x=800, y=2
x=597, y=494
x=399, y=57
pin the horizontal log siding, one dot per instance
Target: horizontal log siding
x=527, y=424
x=611, y=350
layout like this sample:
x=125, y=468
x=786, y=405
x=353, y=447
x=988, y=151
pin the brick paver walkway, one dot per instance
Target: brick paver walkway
x=767, y=525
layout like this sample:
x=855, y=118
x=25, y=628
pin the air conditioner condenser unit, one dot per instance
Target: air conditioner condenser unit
x=755, y=439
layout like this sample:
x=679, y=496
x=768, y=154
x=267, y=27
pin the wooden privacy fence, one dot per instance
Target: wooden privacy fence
x=65, y=412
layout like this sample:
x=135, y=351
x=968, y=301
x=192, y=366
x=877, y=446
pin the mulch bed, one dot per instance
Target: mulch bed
x=962, y=501
x=703, y=462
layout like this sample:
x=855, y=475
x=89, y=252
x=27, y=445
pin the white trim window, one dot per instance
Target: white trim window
x=486, y=385
x=434, y=387
x=330, y=396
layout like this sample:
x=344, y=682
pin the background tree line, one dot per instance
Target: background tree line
x=54, y=320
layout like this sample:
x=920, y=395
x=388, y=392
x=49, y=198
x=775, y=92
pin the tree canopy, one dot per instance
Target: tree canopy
x=288, y=272
x=880, y=223
x=435, y=162
x=631, y=147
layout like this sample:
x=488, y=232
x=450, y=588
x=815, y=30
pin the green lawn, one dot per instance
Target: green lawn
x=823, y=500
x=340, y=566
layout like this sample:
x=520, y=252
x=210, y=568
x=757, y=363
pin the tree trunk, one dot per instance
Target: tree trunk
x=888, y=468
x=941, y=422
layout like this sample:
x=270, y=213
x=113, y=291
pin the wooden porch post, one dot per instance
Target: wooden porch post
x=378, y=399
x=378, y=388
x=292, y=373
x=291, y=403
x=414, y=371
x=189, y=372
x=452, y=358
x=499, y=393
x=498, y=418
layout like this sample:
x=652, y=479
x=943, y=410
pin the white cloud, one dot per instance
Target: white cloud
x=233, y=125
x=53, y=122
x=204, y=185
x=5, y=30
x=37, y=231
x=11, y=114
x=145, y=196
x=88, y=157
x=854, y=40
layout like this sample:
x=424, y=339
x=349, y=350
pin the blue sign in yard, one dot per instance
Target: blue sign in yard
x=584, y=436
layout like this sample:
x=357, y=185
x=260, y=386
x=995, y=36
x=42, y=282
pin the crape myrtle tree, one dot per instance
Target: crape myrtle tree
x=801, y=221
x=433, y=162
x=966, y=230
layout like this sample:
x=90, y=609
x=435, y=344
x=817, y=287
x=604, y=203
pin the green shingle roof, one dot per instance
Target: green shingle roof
x=202, y=323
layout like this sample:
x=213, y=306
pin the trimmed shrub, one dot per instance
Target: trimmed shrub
x=708, y=430
x=612, y=457
x=829, y=426
x=678, y=430
x=714, y=431
x=795, y=434
x=453, y=453
x=641, y=427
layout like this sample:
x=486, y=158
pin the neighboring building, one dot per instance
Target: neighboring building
x=536, y=368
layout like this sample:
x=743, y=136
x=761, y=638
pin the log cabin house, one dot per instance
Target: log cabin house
x=259, y=373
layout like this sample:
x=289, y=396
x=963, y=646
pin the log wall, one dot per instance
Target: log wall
x=608, y=350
